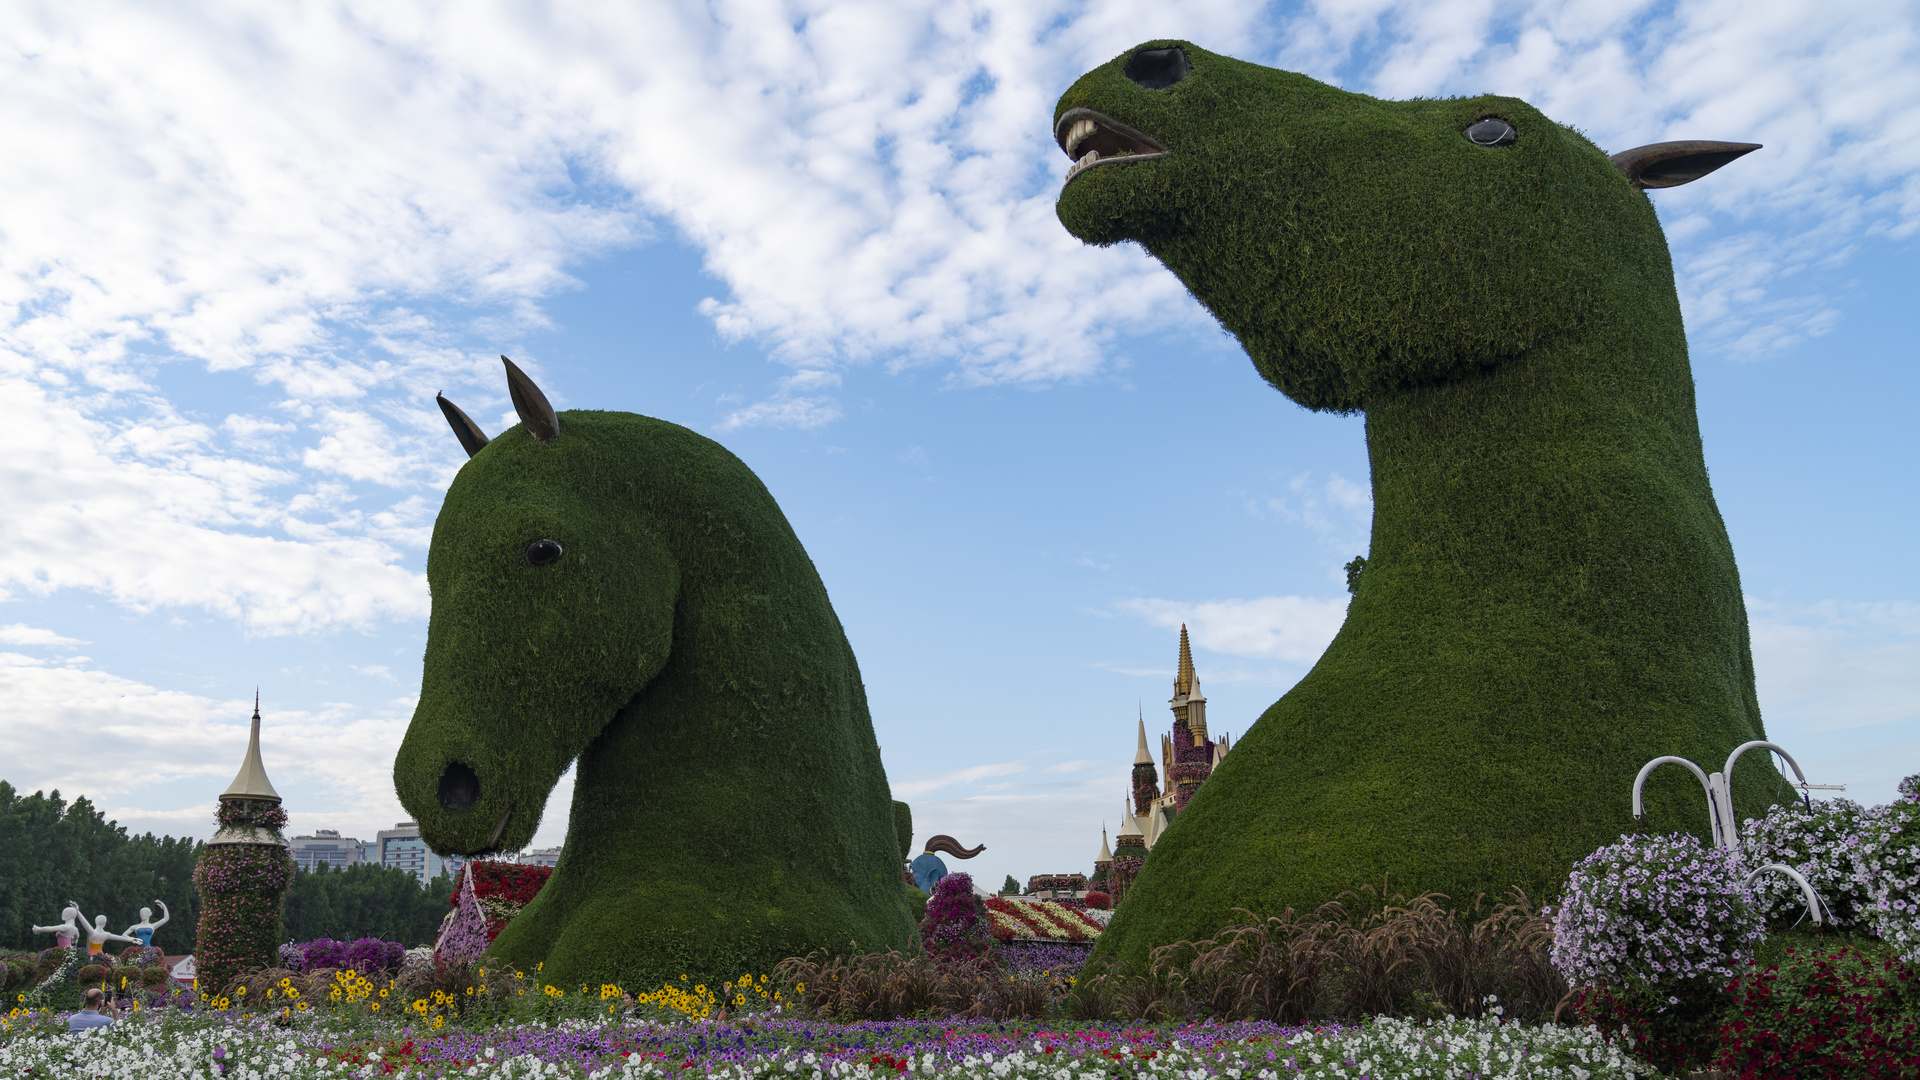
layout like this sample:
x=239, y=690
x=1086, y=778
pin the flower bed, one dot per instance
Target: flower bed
x=1041, y=920
x=179, y=1045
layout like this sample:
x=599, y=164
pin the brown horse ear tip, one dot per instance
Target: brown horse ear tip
x=1671, y=164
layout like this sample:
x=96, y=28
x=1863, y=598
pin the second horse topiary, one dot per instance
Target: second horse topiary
x=1550, y=599
x=617, y=590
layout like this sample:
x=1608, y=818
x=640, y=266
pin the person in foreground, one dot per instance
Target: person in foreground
x=90, y=1015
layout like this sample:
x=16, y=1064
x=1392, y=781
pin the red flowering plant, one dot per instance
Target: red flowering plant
x=1825, y=1014
x=501, y=890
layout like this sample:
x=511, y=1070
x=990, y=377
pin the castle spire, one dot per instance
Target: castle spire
x=1183, y=678
x=251, y=781
x=1142, y=756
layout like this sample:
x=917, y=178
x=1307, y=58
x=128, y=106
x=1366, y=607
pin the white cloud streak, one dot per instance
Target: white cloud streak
x=336, y=199
x=1294, y=629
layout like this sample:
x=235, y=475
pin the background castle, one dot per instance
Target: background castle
x=1188, y=757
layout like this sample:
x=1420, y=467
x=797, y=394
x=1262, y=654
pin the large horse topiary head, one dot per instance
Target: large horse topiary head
x=619, y=592
x=1356, y=245
x=1550, y=598
x=553, y=607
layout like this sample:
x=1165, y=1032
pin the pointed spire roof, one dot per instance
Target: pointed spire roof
x=1141, y=756
x=251, y=781
x=1129, y=826
x=1183, y=679
x=1106, y=853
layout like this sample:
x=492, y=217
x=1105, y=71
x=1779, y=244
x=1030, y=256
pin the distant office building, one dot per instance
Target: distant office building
x=546, y=856
x=402, y=848
x=326, y=847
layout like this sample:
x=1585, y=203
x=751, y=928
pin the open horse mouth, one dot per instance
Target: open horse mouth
x=1091, y=139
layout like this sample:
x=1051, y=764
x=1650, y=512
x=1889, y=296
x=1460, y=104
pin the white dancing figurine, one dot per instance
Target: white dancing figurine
x=145, y=927
x=98, y=935
x=66, y=930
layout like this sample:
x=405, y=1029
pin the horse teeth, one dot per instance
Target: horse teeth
x=1078, y=132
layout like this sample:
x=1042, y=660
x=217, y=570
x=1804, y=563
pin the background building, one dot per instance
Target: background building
x=329, y=847
x=546, y=856
x=1188, y=757
x=402, y=848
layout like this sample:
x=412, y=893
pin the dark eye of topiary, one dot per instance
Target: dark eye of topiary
x=1491, y=131
x=542, y=552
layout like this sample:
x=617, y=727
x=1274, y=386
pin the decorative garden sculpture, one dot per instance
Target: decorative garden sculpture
x=67, y=929
x=144, y=929
x=617, y=590
x=928, y=868
x=1551, y=597
x=98, y=935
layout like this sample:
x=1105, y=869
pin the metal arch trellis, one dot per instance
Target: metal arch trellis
x=1726, y=829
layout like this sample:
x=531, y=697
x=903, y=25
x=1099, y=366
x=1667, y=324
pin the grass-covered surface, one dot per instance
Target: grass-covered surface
x=168, y=1043
x=730, y=807
x=1551, y=598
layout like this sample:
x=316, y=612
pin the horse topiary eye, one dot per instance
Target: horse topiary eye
x=1491, y=131
x=542, y=552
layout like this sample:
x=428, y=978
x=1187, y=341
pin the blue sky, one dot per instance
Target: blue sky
x=242, y=251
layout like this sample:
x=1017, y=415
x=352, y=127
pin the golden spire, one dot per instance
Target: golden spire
x=251, y=781
x=1141, y=756
x=1183, y=679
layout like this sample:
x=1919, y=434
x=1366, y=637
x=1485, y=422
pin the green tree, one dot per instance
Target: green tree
x=52, y=852
x=366, y=901
x=1009, y=887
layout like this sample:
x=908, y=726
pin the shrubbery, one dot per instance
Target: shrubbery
x=1833, y=1014
x=1658, y=934
x=956, y=926
x=1655, y=910
x=369, y=956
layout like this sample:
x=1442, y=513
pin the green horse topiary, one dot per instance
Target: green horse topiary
x=1551, y=598
x=618, y=590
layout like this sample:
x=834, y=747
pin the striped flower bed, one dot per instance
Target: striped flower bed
x=1039, y=920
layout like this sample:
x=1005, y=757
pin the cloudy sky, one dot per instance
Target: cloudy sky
x=242, y=246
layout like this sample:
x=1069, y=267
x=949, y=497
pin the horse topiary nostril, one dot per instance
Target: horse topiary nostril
x=459, y=787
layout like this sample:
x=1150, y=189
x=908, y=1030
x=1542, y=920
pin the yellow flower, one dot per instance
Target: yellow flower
x=383, y=992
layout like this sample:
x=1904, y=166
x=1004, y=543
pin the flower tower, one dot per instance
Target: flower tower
x=242, y=876
x=1129, y=851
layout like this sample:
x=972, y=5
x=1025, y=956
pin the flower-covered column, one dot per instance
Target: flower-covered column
x=242, y=876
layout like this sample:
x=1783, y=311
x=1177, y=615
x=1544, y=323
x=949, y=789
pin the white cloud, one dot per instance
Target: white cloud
x=1832, y=666
x=1839, y=687
x=299, y=196
x=121, y=742
x=1295, y=629
x=972, y=774
x=22, y=634
x=151, y=519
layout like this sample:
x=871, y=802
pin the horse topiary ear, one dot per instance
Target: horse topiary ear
x=535, y=412
x=469, y=433
x=1670, y=164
